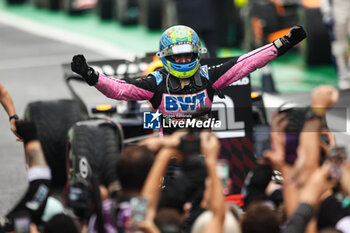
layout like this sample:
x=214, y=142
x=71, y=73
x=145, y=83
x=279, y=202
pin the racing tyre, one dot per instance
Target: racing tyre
x=127, y=12
x=53, y=120
x=54, y=5
x=68, y=7
x=150, y=14
x=318, y=43
x=105, y=9
x=99, y=142
x=13, y=2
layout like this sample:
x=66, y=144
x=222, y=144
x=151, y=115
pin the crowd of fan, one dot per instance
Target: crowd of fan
x=162, y=187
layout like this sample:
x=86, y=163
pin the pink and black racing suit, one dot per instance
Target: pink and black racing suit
x=162, y=91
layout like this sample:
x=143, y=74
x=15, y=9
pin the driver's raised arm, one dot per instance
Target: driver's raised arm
x=119, y=89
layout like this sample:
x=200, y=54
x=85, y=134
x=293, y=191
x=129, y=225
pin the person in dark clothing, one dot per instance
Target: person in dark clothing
x=199, y=15
x=60, y=223
x=132, y=169
x=32, y=205
x=183, y=88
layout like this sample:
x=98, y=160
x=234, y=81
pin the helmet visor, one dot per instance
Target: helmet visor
x=181, y=49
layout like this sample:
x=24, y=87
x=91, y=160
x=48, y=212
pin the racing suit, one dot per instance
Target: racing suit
x=339, y=12
x=163, y=90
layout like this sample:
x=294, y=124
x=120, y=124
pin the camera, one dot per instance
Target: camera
x=292, y=143
x=79, y=198
x=296, y=116
x=81, y=194
x=261, y=137
x=190, y=144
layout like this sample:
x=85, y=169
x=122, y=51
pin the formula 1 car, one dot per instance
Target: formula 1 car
x=71, y=135
x=66, y=127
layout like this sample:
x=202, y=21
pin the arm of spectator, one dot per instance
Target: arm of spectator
x=345, y=179
x=310, y=196
x=152, y=186
x=328, y=140
x=39, y=176
x=7, y=103
x=210, y=147
x=155, y=143
x=259, y=181
x=323, y=98
x=276, y=156
x=32, y=147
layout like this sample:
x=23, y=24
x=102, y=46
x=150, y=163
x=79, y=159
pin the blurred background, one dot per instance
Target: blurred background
x=232, y=27
x=38, y=36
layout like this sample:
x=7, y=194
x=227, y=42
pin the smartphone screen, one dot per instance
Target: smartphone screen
x=292, y=142
x=139, y=210
x=261, y=137
x=336, y=156
x=22, y=223
x=223, y=172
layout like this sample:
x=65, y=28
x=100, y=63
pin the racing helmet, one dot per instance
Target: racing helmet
x=180, y=39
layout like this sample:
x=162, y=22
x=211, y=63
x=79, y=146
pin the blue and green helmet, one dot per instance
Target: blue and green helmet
x=180, y=39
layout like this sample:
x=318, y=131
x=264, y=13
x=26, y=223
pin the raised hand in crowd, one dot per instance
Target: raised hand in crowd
x=210, y=147
x=277, y=158
x=320, y=182
x=322, y=98
x=152, y=187
x=34, y=201
x=156, y=143
x=328, y=140
x=7, y=103
x=276, y=155
x=310, y=197
x=345, y=178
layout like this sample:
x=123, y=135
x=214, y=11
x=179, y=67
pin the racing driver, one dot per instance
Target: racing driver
x=184, y=87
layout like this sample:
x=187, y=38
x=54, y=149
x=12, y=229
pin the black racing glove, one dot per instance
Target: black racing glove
x=79, y=66
x=26, y=130
x=283, y=44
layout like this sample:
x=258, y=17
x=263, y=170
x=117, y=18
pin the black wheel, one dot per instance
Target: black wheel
x=99, y=142
x=53, y=120
x=69, y=8
x=317, y=37
x=128, y=12
x=13, y=2
x=54, y=5
x=105, y=9
x=150, y=14
x=39, y=3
